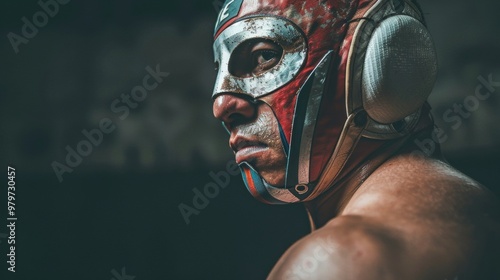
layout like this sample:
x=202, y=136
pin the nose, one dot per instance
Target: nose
x=230, y=108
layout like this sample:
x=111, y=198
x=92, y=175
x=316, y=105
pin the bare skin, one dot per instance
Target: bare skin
x=412, y=218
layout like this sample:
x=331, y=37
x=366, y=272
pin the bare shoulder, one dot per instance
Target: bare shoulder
x=349, y=247
x=439, y=212
x=419, y=190
x=409, y=220
x=359, y=247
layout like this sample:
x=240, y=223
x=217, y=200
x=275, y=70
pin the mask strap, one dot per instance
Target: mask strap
x=351, y=133
x=259, y=188
x=284, y=142
x=304, y=124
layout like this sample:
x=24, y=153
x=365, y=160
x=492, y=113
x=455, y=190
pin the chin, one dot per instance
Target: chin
x=275, y=178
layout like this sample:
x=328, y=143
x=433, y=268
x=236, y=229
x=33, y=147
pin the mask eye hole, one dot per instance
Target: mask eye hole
x=216, y=66
x=254, y=57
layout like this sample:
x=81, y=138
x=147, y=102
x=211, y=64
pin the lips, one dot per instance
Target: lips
x=246, y=149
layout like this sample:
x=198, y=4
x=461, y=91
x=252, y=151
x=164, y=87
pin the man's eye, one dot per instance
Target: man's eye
x=265, y=56
x=264, y=60
x=254, y=57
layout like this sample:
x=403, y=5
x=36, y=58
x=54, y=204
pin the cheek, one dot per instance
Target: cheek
x=283, y=104
x=271, y=166
x=269, y=125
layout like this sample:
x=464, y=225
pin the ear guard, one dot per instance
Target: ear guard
x=391, y=69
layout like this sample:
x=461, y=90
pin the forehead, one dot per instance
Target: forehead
x=276, y=29
x=232, y=10
x=308, y=15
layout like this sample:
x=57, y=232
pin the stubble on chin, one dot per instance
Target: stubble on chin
x=265, y=129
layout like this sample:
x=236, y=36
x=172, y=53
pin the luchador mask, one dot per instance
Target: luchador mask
x=347, y=70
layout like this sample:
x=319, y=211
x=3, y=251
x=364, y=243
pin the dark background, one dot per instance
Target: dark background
x=119, y=207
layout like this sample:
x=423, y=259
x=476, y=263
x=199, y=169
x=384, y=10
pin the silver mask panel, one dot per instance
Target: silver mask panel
x=278, y=30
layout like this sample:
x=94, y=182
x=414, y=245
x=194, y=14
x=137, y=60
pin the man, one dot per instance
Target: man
x=325, y=104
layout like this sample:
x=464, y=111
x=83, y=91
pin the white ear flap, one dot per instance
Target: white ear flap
x=399, y=69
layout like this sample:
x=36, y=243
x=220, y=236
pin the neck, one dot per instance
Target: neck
x=368, y=155
x=331, y=203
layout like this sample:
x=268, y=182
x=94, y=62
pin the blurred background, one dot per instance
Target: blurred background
x=116, y=213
